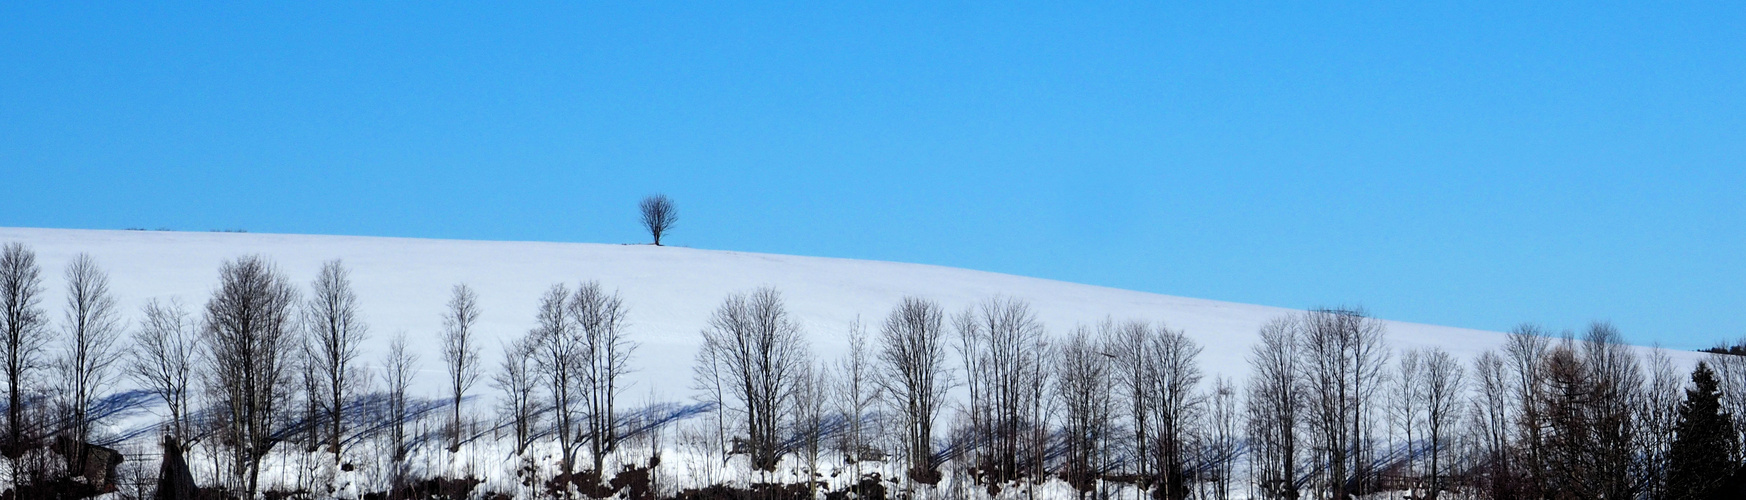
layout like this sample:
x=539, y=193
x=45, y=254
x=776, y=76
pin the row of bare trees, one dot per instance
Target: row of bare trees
x=257, y=366
x=266, y=365
x=579, y=355
x=1329, y=409
x=1544, y=416
x=55, y=377
x=1027, y=397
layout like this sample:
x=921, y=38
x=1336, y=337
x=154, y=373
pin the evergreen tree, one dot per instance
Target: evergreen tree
x=1704, y=441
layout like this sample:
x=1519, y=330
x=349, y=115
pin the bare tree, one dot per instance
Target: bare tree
x=1275, y=404
x=1571, y=450
x=1130, y=345
x=398, y=370
x=599, y=318
x=460, y=353
x=1442, y=387
x=23, y=335
x=1526, y=350
x=1223, y=442
x=1344, y=364
x=1083, y=395
x=913, y=374
x=1730, y=372
x=708, y=376
x=856, y=394
x=90, y=352
x=309, y=380
x=251, y=340
x=659, y=215
x=1174, y=406
x=1492, y=423
x=1590, y=402
x=975, y=412
x=1658, y=417
x=1000, y=341
x=761, y=352
x=559, y=356
x=165, y=357
x=515, y=379
x=335, y=334
x=811, y=398
x=1406, y=404
x=1617, y=393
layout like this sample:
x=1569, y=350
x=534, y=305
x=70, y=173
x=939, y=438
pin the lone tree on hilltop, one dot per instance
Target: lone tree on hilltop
x=659, y=215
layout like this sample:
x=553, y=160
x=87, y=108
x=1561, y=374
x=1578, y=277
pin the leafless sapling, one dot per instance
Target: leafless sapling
x=89, y=352
x=1224, y=439
x=336, y=333
x=166, y=355
x=811, y=400
x=399, y=368
x=709, y=378
x=515, y=380
x=856, y=393
x=1658, y=417
x=309, y=387
x=460, y=354
x=1406, y=404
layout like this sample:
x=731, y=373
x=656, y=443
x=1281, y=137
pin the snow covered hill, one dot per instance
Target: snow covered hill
x=403, y=284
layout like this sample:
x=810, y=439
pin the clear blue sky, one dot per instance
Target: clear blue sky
x=1452, y=163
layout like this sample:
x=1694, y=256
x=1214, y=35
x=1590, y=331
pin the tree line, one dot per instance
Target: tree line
x=264, y=366
x=980, y=400
x=1329, y=409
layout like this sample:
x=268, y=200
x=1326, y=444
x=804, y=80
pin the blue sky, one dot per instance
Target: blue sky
x=1461, y=163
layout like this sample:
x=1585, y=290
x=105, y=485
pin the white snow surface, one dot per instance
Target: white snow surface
x=403, y=284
